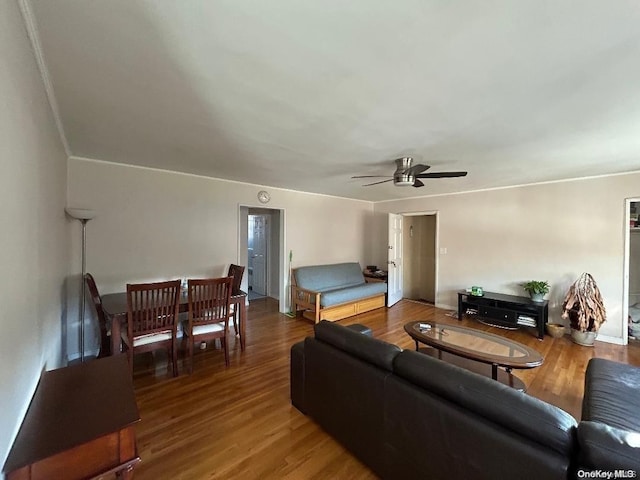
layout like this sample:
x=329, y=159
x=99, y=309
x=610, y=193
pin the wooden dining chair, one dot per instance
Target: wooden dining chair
x=235, y=271
x=208, y=313
x=105, y=344
x=152, y=313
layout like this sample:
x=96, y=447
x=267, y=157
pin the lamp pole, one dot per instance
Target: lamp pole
x=84, y=216
x=82, y=292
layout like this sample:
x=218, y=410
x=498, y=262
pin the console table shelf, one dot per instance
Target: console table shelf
x=508, y=311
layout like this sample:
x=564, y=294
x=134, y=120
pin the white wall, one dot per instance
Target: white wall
x=554, y=232
x=153, y=224
x=35, y=233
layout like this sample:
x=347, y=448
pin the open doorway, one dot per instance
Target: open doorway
x=259, y=259
x=631, y=310
x=419, y=265
x=412, y=257
x=261, y=247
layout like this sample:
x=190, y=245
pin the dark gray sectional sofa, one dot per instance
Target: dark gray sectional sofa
x=408, y=415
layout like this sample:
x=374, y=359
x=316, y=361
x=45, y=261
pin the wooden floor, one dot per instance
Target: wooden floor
x=238, y=422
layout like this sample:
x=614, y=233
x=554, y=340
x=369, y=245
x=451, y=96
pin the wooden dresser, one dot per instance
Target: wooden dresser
x=80, y=424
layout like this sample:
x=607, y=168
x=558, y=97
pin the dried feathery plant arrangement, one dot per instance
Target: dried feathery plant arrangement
x=583, y=305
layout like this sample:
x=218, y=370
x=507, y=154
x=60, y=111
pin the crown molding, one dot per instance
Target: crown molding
x=34, y=36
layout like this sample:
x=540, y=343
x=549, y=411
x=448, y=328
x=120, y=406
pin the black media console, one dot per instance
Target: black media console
x=508, y=311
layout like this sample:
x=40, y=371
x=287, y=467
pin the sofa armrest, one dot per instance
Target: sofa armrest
x=297, y=371
x=307, y=299
x=297, y=376
x=608, y=448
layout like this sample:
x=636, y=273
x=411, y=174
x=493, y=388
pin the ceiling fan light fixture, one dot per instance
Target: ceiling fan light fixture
x=403, y=180
x=409, y=175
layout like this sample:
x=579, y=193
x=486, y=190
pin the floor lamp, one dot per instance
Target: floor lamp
x=84, y=216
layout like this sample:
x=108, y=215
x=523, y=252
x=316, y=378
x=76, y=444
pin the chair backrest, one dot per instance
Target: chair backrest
x=236, y=271
x=152, y=307
x=209, y=300
x=102, y=319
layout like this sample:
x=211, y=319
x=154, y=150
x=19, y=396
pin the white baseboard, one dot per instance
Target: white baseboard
x=446, y=307
x=609, y=339
x=76, y=356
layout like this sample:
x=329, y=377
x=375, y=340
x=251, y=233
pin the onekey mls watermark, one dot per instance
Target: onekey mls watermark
x=607, y=474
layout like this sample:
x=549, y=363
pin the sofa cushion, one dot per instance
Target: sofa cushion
x=320, y=278
x=611, y=394
x=349, y=294
x=516, y=411
x=605, y=447
x=366, y=348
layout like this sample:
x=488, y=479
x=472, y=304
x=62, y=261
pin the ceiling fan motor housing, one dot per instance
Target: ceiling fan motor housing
x=401, y=177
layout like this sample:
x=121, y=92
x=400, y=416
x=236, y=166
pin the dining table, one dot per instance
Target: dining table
x=115, y=309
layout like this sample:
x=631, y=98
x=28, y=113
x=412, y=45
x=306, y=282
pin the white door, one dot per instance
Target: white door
x=259, y=261
x=394, y=287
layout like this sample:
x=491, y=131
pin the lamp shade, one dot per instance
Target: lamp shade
x=80, y=213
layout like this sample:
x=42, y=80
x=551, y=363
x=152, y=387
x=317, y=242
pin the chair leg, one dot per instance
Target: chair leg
x=235, y=322
x=174, y=356
x=130, y=357
x=190, y=339
x=225, y=345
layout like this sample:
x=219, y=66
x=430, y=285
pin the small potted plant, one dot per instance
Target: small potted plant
x=584, y=307
x=537, y=289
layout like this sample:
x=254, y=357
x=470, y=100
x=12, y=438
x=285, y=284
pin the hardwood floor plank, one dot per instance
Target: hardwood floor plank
x=238, y=422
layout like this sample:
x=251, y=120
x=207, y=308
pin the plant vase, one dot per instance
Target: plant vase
x=585, y=339
x=536, y=289
x=537, y=297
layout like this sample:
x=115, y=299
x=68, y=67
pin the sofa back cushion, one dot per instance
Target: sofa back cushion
x=366, y=348
x=518, y=412
x=321, y=278
x=427, y=436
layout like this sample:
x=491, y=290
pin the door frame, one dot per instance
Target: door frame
x=437, y=248
x=625, y=277
x=283, y=272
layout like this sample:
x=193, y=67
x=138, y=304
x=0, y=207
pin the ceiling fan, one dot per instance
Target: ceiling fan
x=407, y=175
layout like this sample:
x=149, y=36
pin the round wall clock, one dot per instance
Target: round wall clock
x=263, y=196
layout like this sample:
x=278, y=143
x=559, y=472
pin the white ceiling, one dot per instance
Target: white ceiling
x=303, y=95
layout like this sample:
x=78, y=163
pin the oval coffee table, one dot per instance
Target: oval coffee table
x=473, y=349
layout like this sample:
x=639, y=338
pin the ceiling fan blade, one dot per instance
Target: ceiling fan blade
x=376, y=183
x=418, y=183
x=441, y=175
x=372, y=176
x=416, y=169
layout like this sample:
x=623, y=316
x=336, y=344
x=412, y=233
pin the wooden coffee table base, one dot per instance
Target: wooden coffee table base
x=484, y=369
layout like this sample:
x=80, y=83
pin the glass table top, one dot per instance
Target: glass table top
x=474, y=344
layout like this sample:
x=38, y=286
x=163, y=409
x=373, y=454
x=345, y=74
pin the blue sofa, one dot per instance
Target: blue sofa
x=334, y=292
